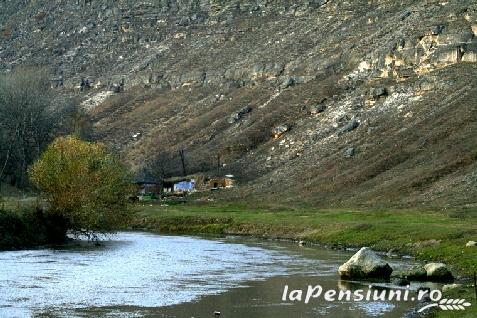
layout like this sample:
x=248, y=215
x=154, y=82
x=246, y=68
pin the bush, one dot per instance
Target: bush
x=29, y=228
x=84, y=184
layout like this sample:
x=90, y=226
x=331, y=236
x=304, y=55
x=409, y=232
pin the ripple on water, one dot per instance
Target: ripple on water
x=135, y=269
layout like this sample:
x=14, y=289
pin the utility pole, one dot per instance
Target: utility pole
x=182, y=156
x=218, y=165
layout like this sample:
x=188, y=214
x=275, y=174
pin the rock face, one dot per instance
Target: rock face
x=365, y=264
x=438, y=272
x=181, y=72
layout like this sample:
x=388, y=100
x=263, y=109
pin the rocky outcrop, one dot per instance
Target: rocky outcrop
x=350, y=126
x=394, y=80
x=365, y=264
x=280, y=130
x=237, y=116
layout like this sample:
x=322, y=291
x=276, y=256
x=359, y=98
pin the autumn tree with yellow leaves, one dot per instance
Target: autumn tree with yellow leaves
x=84, y=184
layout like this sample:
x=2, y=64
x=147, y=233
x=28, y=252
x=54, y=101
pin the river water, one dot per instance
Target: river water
x=138, y=274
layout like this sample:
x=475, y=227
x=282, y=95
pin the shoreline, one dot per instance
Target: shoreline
x=429, y=236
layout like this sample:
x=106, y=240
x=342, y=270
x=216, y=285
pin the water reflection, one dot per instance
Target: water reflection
x=147, y=275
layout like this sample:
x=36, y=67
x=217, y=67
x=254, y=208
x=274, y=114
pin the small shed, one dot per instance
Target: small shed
x=221, y=182
x=145, y=187
x=185, y=186
x=180, y=184
x=147, y=190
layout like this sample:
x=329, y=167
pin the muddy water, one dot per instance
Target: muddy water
x=149, y=275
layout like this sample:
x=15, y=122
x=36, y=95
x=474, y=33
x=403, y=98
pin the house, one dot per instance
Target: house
x=180, y=184
x=220, y=183
x=147, y=189
x=185, y=186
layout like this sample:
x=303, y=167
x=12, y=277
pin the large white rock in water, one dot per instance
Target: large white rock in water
x=365, y=264
x=438, y=271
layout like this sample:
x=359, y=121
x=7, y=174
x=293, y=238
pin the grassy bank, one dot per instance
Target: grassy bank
x=428, y=235
x=431, y=235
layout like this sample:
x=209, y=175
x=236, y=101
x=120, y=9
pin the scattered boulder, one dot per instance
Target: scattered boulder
x=437, y=29
x=470, y=53
x=245, y=110
x=350, y=126
x=350, y=152
x=400, y=281
x=288, y=82
x=365, y=264
x=405, y=15
x=295, y=80
x=237, y=116
x=85, y=84
x=118, y=87
x=471, y=244
x=233, y=119
x=280, y=130
x=428, y=272
x=415, y=273
x=447, y=288
x=317, y=109
x=378, y=92
x=438, y=272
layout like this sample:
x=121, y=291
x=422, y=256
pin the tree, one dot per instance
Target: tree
x=84, y=184
x=28, y=121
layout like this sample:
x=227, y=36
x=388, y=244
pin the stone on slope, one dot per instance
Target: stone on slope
x=350, y=126
x=471, y=244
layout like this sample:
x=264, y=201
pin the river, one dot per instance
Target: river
x=135, y=274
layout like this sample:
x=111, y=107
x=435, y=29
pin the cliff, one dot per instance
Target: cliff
x=324, y=102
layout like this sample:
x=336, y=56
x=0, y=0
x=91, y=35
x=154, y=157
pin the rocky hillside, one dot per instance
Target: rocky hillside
x=325, y=102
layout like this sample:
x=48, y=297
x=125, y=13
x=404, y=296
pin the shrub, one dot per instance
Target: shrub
x=84, y=184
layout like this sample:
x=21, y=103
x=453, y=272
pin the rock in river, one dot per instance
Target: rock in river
x=415, y=273
x=365, y=264
x=438, y=272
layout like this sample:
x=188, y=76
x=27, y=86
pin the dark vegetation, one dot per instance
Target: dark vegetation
x=29, y=120
x=30, y=228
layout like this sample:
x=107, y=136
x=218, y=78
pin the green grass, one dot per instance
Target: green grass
x=428, y=235
x=466, y=293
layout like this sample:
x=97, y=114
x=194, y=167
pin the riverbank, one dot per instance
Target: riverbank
x=29, y=228
x=428, y=235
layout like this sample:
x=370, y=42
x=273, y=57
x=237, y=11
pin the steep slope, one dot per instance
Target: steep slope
x=376, y=99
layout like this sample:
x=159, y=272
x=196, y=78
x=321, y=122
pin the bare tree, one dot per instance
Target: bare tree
x=27, y=121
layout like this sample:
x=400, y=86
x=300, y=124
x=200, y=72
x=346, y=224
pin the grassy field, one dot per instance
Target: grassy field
x=429, y=235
